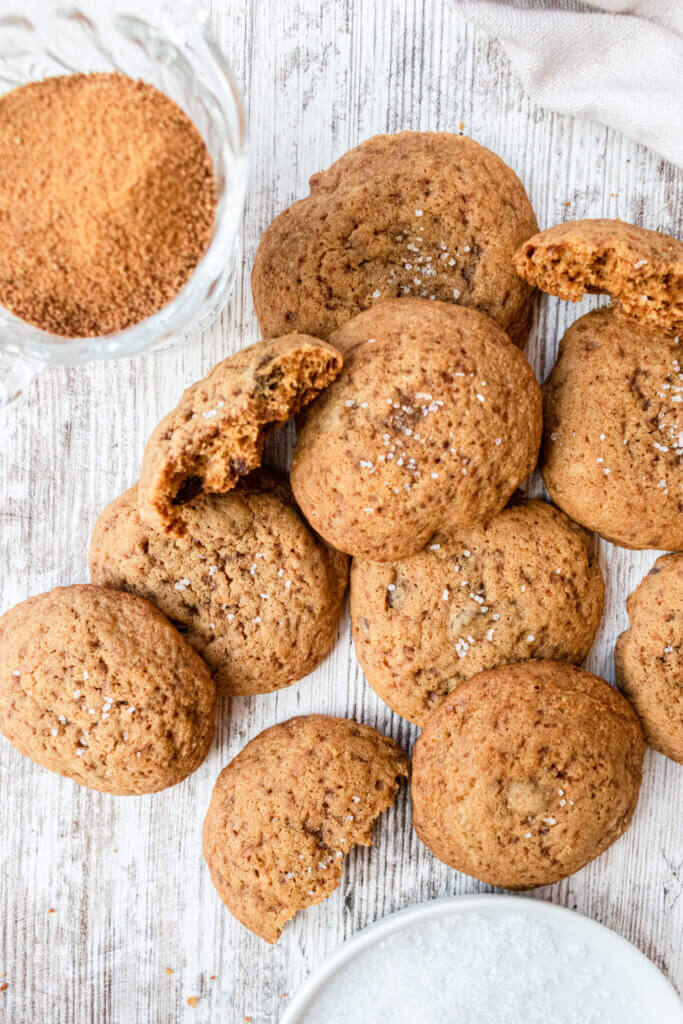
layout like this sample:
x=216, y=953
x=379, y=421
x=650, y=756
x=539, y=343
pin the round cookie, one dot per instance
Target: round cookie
x=526, y=772
x=433, y=423
x=216, y=433
x=525, y=584
x=642, y=270
x=251, y=588
x=649, y=656
x=613, y=431
x=97, y=685
x=286, y=810
x=422, y=214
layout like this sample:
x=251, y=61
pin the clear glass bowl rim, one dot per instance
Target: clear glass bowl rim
x=27, y=340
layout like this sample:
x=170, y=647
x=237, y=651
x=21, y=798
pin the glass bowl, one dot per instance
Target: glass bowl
x=171, y=47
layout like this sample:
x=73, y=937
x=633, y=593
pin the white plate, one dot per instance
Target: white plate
x=609, y=982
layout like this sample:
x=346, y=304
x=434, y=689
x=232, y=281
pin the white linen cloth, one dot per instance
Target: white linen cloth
x=613, y=61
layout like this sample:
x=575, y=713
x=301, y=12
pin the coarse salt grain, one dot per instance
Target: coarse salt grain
x=478, y=969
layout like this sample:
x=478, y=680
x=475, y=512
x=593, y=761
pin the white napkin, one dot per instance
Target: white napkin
x=614, y=61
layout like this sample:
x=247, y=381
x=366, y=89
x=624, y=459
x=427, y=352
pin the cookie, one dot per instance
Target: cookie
x=98, y=686
x=649, y=656
x=216, y=433
x=642, y=270
x=525, y=584
x=421, y=214
x=433, y=423
x=249, y=586
x=526, y=772
x=286, y=810
x=613, y=431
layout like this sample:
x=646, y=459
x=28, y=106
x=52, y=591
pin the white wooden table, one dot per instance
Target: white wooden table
x=107, y=914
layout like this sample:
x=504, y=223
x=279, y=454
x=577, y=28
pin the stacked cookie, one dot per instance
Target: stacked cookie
x=407, y=275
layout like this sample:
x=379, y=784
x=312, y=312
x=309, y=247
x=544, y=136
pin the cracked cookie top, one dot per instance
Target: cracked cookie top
x=613, y=431
x=424, y=214
x=249, y=585
x=97, y=685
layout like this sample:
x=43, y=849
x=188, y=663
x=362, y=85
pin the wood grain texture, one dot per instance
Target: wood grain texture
x=124, y=876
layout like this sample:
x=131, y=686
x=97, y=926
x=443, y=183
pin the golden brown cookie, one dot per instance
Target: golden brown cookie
x=433, y=423
x=286, y=810
x=526, y=772
x=216, y=432
x=97, y=685
x=423, y=214
x=613, y=431
x=642, y=270
x=649, y=656
x=525, y=584
x=249, y=585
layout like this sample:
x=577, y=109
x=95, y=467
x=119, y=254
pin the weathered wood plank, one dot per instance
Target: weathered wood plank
x=125, y=876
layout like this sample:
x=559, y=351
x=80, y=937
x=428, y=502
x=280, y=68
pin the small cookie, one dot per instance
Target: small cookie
x=216, y=432
x=254, y=591
x=642, y=270
x=97, y=685
x=433, y=423
x=526, y=772
x=423, y=214
x=649, y=656
x=613, y=431
x=286, y=810
x=525, y=584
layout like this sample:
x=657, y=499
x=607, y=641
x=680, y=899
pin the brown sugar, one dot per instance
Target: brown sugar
x=107, y=202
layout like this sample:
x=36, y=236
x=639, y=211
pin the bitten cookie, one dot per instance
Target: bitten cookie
x=423, y=214
x=649, y=656
x=254, y=591
x=526, y=772
x=525, y=584
x=613, y=431
x=433, y=423
x=286, y=810
x=642, y=270
x=97, y=685
x=216, y=433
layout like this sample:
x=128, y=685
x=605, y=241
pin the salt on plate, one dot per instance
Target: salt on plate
x=482, y=967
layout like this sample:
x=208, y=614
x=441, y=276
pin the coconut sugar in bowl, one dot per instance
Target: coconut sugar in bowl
x=122, y=185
